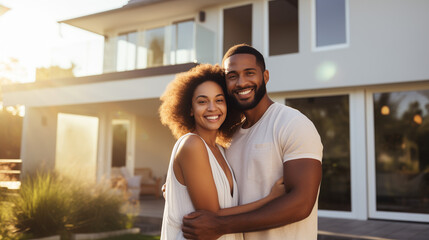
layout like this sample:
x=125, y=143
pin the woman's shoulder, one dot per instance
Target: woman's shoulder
x=191, y=145
x=192, y=140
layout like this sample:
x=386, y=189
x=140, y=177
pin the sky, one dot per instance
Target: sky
x=29, y=30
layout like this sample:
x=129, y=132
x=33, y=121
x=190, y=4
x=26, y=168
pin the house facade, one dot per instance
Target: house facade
x=359, y=69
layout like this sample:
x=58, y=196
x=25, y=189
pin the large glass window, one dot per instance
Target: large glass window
x=330, y=115
x=183, y=49
x=178, y=43
x=283, y=26
x=237, y=26
x=401, y=126
x=330, y=22
x=126, y=51
x=151, y=49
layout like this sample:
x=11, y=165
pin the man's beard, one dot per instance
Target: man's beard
x=259, y=94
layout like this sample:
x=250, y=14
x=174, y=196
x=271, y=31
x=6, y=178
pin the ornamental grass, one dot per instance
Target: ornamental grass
x=49, y=204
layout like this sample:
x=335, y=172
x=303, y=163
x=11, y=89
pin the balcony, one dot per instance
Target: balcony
x=179, y=43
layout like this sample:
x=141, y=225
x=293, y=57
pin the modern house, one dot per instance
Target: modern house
x=359, y=69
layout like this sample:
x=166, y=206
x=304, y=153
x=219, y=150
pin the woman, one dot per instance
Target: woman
x=199, y=178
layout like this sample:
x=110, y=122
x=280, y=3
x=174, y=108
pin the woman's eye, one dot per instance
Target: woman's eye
x=220, y=100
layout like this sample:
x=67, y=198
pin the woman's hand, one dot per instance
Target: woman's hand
x=278, y=189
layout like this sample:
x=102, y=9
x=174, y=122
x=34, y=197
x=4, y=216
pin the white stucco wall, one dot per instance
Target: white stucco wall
x=38, y=140
x=154, y=143
x=110, y=91
x=388, y=44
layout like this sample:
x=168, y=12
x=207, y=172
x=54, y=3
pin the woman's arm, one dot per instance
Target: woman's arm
x=194, y=171
x=276, y=191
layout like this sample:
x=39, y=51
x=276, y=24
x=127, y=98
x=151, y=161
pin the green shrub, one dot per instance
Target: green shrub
x=43, y=205
x=48, y=204
x=98, y=211
x=7, y=229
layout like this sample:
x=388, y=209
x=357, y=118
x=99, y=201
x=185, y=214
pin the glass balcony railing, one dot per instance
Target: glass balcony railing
x=179, y=43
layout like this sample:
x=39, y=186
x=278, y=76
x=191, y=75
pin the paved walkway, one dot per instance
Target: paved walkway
x=151, y=210
x=345, y=229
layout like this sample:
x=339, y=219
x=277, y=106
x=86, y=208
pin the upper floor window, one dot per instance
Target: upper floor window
x=331, y=23
x=126, y=51
x=237, y=26
x=152, y=48
x=183, y=42
x=171, y=44
x=283, y=27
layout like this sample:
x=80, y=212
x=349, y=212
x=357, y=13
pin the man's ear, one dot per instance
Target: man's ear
x=266, y=76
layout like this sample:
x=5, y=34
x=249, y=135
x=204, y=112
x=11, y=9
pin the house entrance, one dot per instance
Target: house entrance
x=121, y=150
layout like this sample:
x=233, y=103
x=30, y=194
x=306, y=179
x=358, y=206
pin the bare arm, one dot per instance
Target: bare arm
x=302, y=185
x=276, y=191
x=192, y=168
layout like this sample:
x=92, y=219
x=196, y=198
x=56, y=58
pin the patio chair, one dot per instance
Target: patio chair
x=149, y=185
x=122, y=180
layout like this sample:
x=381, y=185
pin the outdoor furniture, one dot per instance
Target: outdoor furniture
x=149, y=185
x=121, y=179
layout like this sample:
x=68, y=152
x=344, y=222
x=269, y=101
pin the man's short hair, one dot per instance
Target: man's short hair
x=245, y=49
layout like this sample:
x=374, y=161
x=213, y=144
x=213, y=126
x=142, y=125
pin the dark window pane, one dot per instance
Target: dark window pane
x=237, y=26
x=119, y=145
x=283, y=26
x=330, y=115
x=401, y=125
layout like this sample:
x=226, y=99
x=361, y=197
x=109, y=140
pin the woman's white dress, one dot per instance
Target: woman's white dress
x=178, y=203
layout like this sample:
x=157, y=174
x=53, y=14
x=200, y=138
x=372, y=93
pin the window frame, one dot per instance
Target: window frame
x=372, y=194
x=358, y=167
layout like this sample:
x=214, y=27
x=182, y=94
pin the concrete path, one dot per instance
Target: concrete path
x=151, y=210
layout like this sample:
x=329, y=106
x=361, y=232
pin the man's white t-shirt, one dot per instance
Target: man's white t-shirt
x=257, y=155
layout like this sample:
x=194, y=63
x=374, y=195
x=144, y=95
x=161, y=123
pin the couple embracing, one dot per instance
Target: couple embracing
x=243, y=167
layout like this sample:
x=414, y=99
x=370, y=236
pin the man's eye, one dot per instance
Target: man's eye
x=231, y=76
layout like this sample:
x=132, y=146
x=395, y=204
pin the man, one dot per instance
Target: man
x=274, y=141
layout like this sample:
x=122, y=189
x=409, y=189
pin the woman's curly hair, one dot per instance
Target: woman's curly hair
x=175, y=109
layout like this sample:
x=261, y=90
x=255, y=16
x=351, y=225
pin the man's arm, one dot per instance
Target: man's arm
x=302, y=180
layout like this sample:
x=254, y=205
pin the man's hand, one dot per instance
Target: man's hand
x=203, y=225
x=163, y=190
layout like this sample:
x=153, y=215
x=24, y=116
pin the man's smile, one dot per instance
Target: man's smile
x=244, y=93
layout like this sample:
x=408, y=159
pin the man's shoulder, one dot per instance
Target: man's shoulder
x=284, y=112
x=283, y=117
